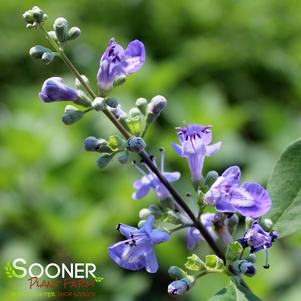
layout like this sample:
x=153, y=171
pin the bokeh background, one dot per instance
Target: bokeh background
x=233, y=64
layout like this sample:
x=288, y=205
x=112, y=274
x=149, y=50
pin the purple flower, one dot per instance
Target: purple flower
x=54, y=89
x=258, y=239
x=117, y=62
x=227, y=195
x=150, y=181
x=193, y=235
x=195, y=147
x=136, y=252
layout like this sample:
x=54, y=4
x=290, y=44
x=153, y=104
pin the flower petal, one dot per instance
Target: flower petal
x=178, y=149
x=158, y=236
x=133, y=263
x=134, y=56
x=172, y=176
x=126, y=230
x=212, y=149
x=151, y=265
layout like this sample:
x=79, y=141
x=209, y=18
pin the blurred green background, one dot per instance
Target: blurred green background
x=233, y=64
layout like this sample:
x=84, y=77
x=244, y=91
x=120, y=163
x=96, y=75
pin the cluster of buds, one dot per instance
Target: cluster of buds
x=34, y=17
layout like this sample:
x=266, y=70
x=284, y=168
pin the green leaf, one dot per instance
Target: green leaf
x=234, y=293
x=284, y=187
x=9, y=270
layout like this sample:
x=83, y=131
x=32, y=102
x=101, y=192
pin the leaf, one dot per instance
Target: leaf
x=284, y=187
x=234, y=293
x=9, y=270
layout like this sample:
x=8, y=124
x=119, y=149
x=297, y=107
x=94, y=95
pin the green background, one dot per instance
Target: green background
x=233, y=64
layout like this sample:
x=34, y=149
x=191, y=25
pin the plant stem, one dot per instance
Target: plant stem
x=144, y=155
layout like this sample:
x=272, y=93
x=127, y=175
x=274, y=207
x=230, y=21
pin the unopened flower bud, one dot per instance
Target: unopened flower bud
x=176, y=273
x=141, y=104
x=267, y=224
x=251, y=258
x=179, y=287
x=136, y=144
x=211, y=178
x=155, y=107
x=78, y=84
x=112, y=102
x=60, y=27
x=119, y=81
x=52, y=35
x=38, y=14
x=91, y=144
x=73, y=33
x=99, y=104
x=134, y=121
x=47, y=57
x=245, y=267
x=28, y=16
x=123, y=157
x=38, y=51
x=72, y=115
x=104, y=160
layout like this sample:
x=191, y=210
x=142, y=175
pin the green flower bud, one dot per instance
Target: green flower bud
x=155, y=107
x=267, y=224
x=60, y=27
x=47, y=57
x=119, y=81
x=141, y=104
x=99, y=104
x=251, y=258
x=28, y=16
x=116, y=143
x=211, y=178
x=134, y=121
x=104, y=160
x=78, y=84
x=38, y=14
x=123, y=157
x=83, y=100
x=234, y=251
x=112, y=102
x=176, y=273
x=214, y=263
x=73, y=33
x=72, y=115
x=52, y=35
x=38, y=51
x=194, y=263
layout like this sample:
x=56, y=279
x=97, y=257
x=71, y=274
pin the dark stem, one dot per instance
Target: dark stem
x=144, y=155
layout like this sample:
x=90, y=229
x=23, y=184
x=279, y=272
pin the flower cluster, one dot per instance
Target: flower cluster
x=209, y=215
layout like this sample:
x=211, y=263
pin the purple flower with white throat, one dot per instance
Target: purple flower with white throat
x=54, y=89
x=193, y=235
x=150, y=181
x=194, y=140
x=136, y=252
x=227, y=195
x=258, y=239
x=117, y=62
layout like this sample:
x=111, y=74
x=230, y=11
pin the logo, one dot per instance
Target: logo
x=61, y=278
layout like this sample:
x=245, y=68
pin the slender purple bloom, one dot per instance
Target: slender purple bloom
x=193, y=235
x=227, y=195
x=258, y=239
x=136, y=252
x=54, y=89
x=194, y=140
x=117, y=62
x=150, y=181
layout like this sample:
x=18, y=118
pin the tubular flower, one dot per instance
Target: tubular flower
x=117, y=62
x=227, y=195
x=136, y=252
x=194, y=140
